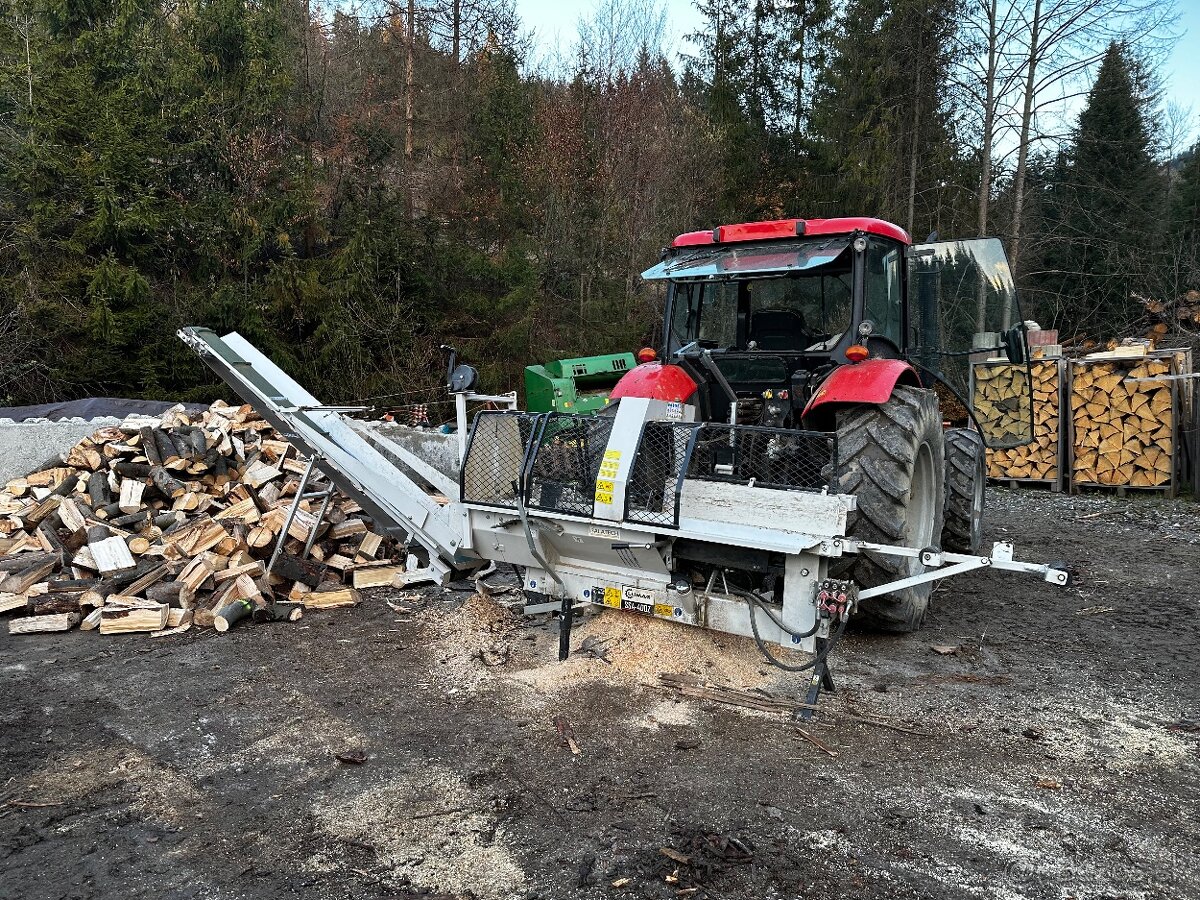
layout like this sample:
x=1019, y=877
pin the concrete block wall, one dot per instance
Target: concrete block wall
x=26, y=445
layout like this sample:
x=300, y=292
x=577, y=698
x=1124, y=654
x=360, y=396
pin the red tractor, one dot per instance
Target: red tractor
x=844, y=325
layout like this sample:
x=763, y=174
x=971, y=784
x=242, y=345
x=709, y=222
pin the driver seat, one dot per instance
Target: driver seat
x=779, y=329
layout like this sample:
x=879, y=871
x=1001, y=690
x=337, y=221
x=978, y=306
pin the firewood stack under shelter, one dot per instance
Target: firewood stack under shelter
x=1124, y=423
x=160, y=523
x=1002, y=397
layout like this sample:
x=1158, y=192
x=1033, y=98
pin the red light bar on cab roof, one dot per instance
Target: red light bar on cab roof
x=786, y=228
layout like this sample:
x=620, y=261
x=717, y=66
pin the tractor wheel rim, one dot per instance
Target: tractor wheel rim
x=920, y=500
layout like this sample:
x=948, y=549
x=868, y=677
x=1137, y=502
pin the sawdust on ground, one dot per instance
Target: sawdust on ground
x=428, y=825
x=482, y=641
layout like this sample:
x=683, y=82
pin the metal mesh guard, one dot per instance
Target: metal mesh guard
x=769, y=457
x=652, y=494
x=495, y=458
x=566, y=461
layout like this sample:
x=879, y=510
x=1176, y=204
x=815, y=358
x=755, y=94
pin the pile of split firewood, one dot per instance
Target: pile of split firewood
x=158, y=524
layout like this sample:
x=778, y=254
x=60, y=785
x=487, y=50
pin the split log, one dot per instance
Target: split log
x=332, y=599
x=111, y=555
x=131, y=495
x=16, y=561
x=10, y=602
x=122, y=614
x=166, y=592
x=70, y=515
x=369, y=546
x=38, y=624
x=302, y=570
x=20, y=581
x=375, y=575
x=170, y=486
x=52, y=604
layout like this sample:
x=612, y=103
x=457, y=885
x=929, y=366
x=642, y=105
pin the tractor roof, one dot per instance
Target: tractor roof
x=789, y=228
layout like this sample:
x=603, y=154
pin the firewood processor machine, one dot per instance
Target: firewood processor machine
x=785, y=466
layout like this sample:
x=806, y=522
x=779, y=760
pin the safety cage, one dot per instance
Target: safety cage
x=550, y=462
x=669, y=454
x=547, y=461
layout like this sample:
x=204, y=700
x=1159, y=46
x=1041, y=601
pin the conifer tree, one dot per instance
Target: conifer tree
x=1107, y=205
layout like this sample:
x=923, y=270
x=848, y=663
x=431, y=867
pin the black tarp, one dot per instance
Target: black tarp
x=93, y=408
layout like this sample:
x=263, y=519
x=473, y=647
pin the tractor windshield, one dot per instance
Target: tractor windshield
x=793, y=314
x=793, y=297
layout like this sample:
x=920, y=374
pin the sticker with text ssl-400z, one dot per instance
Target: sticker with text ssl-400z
x=634, y=599
x=608, y=473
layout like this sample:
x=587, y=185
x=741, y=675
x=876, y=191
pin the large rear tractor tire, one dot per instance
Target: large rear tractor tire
x=966, y=483
x=891, y=458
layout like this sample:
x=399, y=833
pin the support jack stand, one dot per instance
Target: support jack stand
x=565, y=621
x=822, y=679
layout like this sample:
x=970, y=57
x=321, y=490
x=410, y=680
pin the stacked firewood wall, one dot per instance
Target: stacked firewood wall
x=1123, y=430
x=1001, y=399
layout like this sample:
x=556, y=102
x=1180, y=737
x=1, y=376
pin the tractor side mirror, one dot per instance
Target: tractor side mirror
x=1014, y=343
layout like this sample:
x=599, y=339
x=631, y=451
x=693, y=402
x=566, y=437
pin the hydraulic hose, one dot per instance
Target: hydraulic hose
x=753, y=601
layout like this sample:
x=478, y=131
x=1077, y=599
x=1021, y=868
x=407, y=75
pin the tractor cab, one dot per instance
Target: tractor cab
x=762, y=316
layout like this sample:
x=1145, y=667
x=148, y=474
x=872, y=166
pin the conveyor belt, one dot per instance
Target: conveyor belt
x=397, y=503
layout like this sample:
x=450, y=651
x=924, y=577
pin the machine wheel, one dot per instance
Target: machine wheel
x=966, y=481
x=891, y=458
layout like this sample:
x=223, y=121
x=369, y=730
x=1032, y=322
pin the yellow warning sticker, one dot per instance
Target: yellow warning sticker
x=604, y=486
x=609, y=470
x=664, y=609
x=612, y=454
x=604, y=497
x=612, y=597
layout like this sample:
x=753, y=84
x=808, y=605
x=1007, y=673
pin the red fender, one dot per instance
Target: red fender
x=656, y=381
x=869, y=381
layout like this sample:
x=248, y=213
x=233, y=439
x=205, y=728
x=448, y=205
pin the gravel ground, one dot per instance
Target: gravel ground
x=1054, y=754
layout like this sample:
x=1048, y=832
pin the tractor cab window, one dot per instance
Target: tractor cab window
x=798, y=313
x=788, y=314
x=884, y=304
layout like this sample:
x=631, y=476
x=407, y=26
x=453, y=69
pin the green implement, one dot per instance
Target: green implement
x=575, y=385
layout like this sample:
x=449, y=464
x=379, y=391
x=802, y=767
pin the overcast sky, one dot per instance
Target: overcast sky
x=554, y=24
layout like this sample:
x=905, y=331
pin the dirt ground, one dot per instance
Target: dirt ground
x=1055, y=754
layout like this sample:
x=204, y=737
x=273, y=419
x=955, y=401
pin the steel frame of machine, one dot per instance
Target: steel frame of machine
x=552, y=494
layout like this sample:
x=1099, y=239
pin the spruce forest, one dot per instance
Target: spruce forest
x=352, y=185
